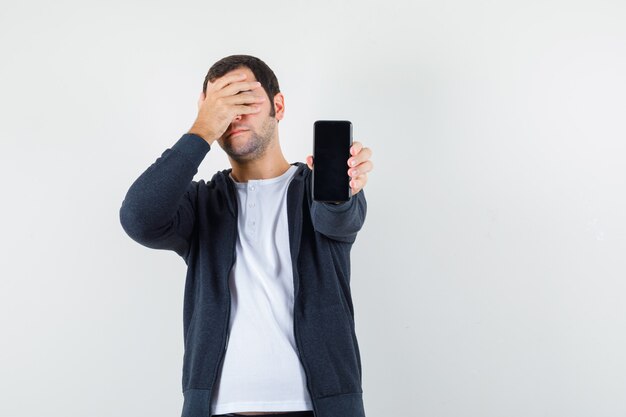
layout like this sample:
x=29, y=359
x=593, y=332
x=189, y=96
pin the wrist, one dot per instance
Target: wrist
x=203, y=133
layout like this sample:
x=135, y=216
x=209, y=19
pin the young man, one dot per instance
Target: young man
x=268, y=319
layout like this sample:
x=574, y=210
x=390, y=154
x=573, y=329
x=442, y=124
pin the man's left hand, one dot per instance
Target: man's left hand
x=359, y=165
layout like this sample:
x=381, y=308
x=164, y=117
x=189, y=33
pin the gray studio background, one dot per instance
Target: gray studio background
x=489, y=279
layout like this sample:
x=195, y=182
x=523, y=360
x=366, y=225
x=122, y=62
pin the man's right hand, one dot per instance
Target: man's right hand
x=222, y=102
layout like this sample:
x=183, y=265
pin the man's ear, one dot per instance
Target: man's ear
x=279, y=106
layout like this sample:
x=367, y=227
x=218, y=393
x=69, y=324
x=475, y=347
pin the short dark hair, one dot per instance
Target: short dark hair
x=262, y=72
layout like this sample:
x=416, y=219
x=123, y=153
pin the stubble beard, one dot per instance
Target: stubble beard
x=256, y=145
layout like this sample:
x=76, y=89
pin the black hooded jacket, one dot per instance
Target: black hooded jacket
x=165, y=209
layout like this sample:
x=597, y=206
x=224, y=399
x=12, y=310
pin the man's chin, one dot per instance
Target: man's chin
x=243, y=147
x=239, y=153
x=234, y=147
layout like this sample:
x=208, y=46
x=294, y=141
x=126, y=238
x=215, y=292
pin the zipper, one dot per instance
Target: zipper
x=296, y=280
x=226, y=334
x=306, y=372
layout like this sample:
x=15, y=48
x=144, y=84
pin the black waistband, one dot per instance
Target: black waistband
x=288, y=414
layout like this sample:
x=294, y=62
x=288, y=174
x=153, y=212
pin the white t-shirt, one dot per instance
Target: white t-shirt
x=261, y=369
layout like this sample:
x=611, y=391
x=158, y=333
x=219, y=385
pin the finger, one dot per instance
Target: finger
x=201, y=99
x=247, y=109
x=224, y=80
x=244, y=98
x=358, y=183
x=242, y=87
x=309, y=161
x=355, y=148
x=354, y=186
x=363, y=155
x=362, y=168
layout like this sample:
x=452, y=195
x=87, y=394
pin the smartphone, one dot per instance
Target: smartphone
x=332, y=140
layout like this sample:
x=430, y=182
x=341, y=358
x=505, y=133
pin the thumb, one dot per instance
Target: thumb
x=201, y=99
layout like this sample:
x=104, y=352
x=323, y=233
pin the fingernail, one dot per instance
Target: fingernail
x=353, y=162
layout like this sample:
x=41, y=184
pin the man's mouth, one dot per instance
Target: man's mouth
x=234, y=132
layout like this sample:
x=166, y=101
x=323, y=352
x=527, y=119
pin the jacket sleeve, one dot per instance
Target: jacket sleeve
x=159, y=209
x=340, y=221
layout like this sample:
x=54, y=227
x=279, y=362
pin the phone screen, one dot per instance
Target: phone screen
x=331, y=150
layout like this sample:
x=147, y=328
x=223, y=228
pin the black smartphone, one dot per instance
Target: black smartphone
x=332, y=140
